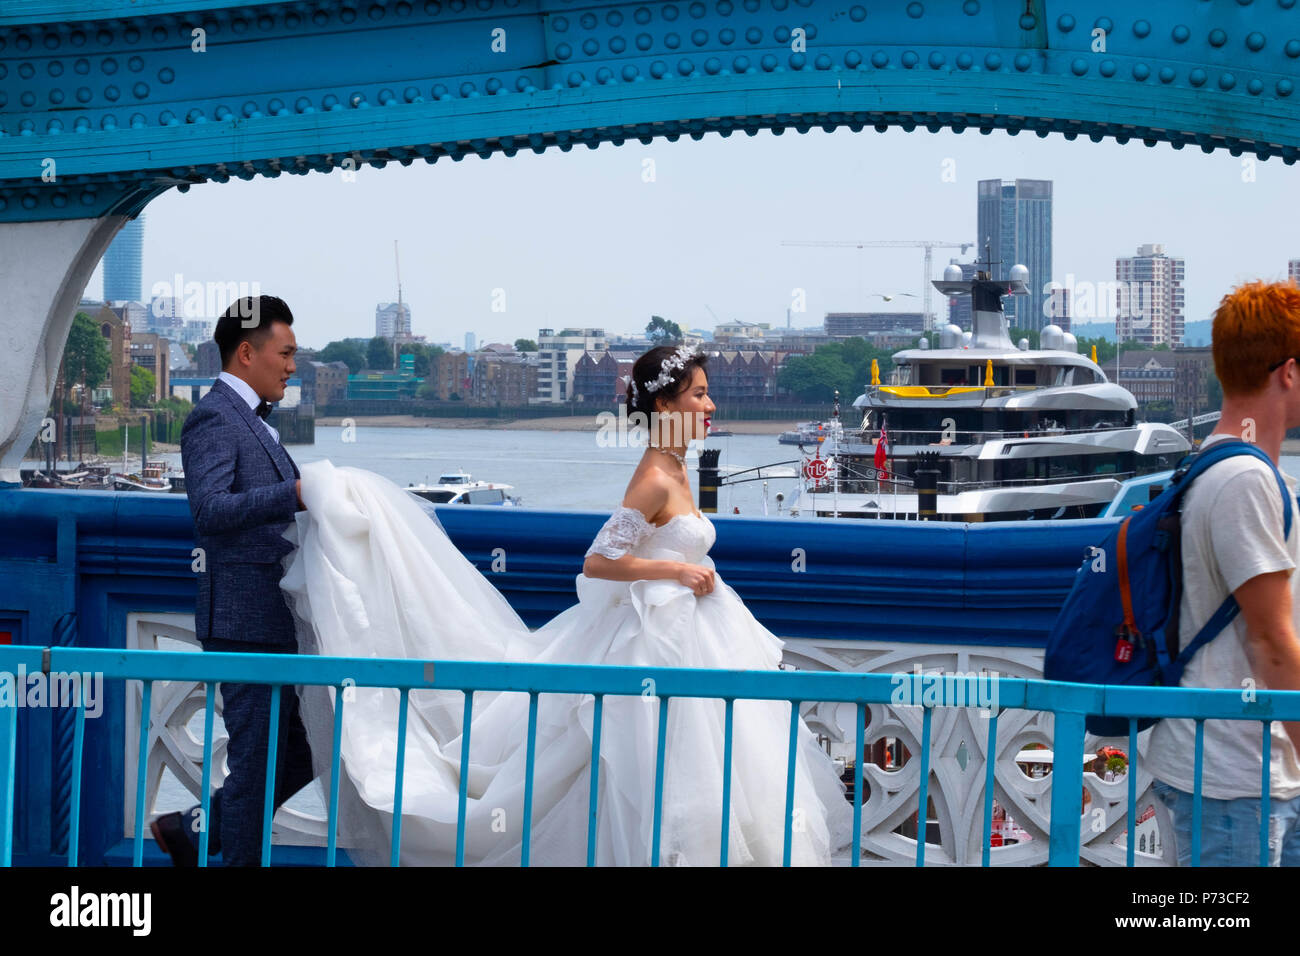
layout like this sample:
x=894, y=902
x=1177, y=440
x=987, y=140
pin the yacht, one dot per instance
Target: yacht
x=458, y=488
x=1013, y=433
x=805, y=433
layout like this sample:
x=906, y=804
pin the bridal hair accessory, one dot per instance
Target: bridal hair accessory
x=675, y=361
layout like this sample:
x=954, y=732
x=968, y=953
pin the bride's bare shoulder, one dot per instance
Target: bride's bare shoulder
x=647, y=492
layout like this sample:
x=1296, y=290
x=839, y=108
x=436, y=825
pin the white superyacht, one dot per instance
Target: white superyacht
x=1014, y=433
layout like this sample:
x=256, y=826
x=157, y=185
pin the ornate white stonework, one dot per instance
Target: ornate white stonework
x=175, y=736
x=958, y=758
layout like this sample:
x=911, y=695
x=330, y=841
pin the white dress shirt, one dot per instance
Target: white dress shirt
x=245, y=391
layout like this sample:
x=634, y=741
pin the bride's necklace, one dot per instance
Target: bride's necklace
x=669, y=451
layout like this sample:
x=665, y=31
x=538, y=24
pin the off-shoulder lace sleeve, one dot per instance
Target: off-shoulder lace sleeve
x=625, y=529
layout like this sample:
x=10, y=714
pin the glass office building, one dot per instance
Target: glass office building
x=1015, y=220
x=123, y=263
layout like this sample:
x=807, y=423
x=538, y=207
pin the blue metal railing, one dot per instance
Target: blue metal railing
x=1069, y=703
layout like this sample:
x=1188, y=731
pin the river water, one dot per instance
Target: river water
x=550, y=470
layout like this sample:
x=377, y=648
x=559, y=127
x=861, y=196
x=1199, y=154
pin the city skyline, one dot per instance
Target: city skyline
x=504, y=247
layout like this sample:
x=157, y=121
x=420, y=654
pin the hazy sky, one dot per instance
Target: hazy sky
x=579, y=238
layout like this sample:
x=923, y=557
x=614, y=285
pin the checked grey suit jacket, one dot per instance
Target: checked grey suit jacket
x=241, y=486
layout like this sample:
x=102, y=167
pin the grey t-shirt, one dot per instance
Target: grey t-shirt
x=1231, y=531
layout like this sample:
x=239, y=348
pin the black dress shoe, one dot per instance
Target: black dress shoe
x=169, y=833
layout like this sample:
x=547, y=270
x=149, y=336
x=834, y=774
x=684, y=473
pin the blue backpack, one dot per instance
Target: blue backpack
x=1119, y=624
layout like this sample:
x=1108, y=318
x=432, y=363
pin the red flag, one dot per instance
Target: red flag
x=882, y=450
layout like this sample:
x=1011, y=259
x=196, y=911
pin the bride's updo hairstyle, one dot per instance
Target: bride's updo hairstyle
x=652, y=379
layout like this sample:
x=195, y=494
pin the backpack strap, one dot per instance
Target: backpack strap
x=1125, y=591
x=1172, y=671
x=1227, y=449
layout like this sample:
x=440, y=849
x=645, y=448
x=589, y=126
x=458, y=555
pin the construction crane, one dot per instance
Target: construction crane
x=929, y=245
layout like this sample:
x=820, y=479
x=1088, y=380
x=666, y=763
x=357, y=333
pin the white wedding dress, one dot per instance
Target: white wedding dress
x=373, y=576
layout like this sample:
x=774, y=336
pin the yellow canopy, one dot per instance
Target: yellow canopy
x=928, y=391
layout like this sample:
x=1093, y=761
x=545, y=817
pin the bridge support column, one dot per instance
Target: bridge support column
x=44, y=268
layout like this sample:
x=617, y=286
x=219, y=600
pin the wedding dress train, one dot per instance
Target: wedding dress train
x=374, y=576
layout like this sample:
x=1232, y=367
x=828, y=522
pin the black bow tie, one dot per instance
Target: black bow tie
x=263, y=410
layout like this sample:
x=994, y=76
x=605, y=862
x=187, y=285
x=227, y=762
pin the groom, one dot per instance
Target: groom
x=243, y=492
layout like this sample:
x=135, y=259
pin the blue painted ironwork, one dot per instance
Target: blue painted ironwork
x=1068, y=702
x=661, y=745
x=272, y=752
x=1131, y=839
x=105, y=105
x=595, y=776
x=860, y=747
x=332, y=823
x=205, y=802
x=142, y=766
x=529, y=760
x=402, y=710
x=923, y=814
x=467, y=722
x=791, y=745
x=990, y=765
x=1266, y=760
x=728, y=723
x=1198, y=767
x=74, y=824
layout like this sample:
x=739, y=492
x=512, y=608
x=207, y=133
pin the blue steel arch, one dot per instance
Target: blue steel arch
x=106, y=103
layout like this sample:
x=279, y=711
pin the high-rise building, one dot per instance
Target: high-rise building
x=1293, y=271
x=1015, y=225
x=471, y=342
x=1149, y=299
x=123, y=264
x=392, y=320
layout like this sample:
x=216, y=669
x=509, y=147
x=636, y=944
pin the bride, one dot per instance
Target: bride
x=373, y=577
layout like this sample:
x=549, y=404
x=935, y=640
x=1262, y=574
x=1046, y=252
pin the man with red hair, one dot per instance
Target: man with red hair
x=1233, y=543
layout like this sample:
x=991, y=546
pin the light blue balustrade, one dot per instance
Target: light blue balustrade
x=1069, y=703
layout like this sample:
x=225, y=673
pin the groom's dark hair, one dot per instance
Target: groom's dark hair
x=249, y=319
